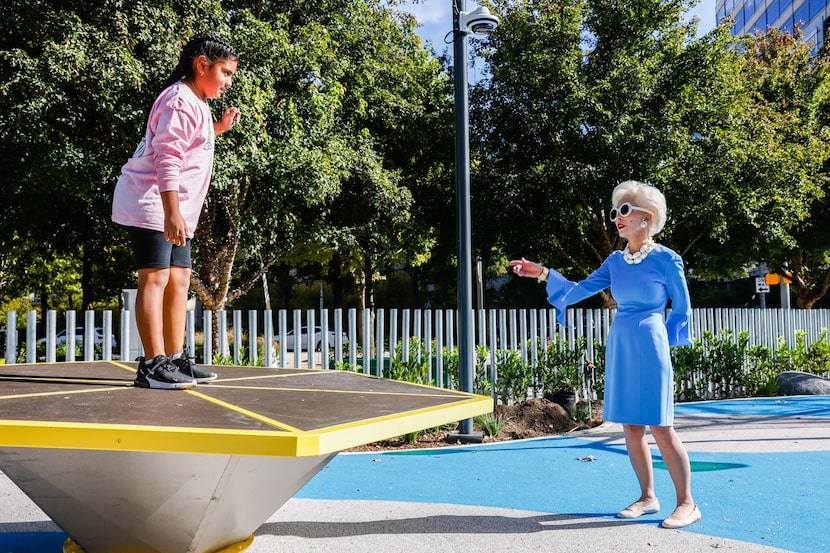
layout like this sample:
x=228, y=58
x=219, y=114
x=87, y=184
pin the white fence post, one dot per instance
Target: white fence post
x=282, y=330
x=190, y=333
x=11, y=337
x=70, y=336
x=380, y=350
x=222, y=322
x=207, y=329
x=491, y=323
x=136, y=348
x=324, y=338
x=439, y=348
x=393, y=334
x=126, y=336
x=31, y=336
x=312, y=338
x=427, y=340
x=51, y=330
x=366, y=342
x=268, y=339
x=253, y=338
x=106, y=325
x=237, y=336
x=89, y=335
x=338, y=336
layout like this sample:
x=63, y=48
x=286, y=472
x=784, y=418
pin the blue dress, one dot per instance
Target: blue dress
x=639, y=381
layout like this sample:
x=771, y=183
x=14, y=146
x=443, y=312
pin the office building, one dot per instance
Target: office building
x=757, y=15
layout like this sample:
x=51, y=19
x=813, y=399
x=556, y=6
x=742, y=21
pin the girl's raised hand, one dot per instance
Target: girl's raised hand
x=229, y=119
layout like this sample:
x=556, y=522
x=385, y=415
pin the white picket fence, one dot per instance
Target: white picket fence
x=522, y=330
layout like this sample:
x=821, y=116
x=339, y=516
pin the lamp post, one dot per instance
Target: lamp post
x=477, y=21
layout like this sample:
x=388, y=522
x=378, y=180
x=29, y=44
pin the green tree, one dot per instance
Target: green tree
x=396, y=100
x=791, y=93
x=580, y=97
x=585, y=94
x=339, y=98
x=761, y=160
x=76, y=82
x=343, y=112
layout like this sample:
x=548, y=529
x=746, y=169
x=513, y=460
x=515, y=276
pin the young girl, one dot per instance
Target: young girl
x=159, y=197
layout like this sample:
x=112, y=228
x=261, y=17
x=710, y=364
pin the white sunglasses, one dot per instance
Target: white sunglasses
x=625, y=210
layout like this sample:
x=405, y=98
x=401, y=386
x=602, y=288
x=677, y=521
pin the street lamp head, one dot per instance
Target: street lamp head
x=478, y=21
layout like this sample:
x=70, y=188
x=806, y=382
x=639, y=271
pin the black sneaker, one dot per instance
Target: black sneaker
x=160, y=373
x=188, y=367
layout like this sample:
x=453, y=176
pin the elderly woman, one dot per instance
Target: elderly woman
x=638, y=379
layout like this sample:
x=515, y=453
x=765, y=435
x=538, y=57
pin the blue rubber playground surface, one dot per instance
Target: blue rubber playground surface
x=771, y=488
x=777, y=499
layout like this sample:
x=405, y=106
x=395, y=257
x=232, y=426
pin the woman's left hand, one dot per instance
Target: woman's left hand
x=229, y=119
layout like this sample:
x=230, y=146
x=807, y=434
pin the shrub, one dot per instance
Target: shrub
x=558, y=369
x=761, y=377
x=416, y=368
x=814, y=358
x=724, y=366
x=595, y=370
x=688, y=364
x=514, y=377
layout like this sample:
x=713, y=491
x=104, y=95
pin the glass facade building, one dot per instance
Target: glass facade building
x=756, y=15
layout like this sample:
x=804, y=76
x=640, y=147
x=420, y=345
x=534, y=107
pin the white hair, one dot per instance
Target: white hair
x=645, y=196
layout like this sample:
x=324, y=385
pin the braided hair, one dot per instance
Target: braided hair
x=210, y=46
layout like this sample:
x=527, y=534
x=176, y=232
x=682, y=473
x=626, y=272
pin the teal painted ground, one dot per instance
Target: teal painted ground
x=774, y=499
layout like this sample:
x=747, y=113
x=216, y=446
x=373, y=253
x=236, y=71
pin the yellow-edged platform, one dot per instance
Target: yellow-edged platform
x=129, y=470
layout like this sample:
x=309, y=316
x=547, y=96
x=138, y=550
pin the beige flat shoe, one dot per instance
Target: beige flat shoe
x=675, y=522
x=638, y=509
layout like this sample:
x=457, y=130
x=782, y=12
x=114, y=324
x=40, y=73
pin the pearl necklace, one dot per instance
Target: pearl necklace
x=638, y=256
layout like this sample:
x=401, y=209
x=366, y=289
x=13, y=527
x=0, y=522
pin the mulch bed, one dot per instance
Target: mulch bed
x=534, y=418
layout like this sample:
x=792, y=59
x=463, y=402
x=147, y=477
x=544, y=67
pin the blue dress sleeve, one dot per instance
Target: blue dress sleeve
x=677, y=323
x=563, y=292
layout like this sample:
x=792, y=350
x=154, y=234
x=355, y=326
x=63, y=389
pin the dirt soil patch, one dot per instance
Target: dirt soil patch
x=534, y=418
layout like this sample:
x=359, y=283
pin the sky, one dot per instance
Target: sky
x=435, y=18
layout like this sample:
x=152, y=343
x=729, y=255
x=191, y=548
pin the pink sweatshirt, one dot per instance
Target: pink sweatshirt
x=175, y=154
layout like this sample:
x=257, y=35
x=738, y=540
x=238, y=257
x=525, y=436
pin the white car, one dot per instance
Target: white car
x=97, y=337
x=290, y=339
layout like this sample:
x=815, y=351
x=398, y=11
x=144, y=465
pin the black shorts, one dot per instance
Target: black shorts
x=152, y=251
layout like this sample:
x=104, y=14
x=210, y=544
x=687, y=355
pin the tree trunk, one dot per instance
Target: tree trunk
x=266, y=294
x=335, y=271
x=86, y=279
x=808, y=293
x=365, y=296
